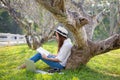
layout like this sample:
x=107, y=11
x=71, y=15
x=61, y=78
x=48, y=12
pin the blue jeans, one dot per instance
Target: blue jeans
x=52, y=64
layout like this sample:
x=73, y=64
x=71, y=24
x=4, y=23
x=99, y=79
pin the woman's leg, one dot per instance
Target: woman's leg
x=52, y=63
x=36, y=57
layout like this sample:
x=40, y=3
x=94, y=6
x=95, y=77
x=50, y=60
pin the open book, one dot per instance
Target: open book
x=42, y=51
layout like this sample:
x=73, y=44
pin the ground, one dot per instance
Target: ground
x=102, y=67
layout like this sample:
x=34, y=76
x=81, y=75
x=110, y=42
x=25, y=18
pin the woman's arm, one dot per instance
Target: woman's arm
x=51, y=59
x=54, y=54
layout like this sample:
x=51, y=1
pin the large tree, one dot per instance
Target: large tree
x=81, y=26
x=81, y=23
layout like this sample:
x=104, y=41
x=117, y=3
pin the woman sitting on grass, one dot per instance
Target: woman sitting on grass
x=64, y=51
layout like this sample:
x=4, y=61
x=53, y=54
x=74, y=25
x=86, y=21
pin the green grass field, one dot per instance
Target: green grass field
x=102, y=67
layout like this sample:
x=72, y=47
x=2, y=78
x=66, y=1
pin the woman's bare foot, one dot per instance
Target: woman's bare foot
x=23, y=66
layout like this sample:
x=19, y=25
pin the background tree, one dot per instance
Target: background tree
x=31, y=17
x=80, y=17
x=7, y=24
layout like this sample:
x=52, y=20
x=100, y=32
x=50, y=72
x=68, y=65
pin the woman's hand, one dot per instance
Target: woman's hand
x=55, y=54
x=51, y=59
x=44, y=56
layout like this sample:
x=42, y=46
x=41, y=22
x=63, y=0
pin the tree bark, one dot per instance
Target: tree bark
x=111, y=43
x=78, y=56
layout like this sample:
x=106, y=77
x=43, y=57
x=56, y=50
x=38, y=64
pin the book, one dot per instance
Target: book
x=42, y=51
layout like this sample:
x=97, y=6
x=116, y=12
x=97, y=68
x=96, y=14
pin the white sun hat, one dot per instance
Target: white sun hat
x=62, y=31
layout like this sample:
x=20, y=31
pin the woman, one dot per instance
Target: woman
x=64, y=51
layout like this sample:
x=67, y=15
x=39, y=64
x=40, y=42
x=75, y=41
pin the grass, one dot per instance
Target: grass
x=102, y=67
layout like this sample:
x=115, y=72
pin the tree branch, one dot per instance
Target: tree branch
x=54, y=6
x=101, y=47
x=79, y=5
x=3, y=4
x=101, y=16
x=94, y=22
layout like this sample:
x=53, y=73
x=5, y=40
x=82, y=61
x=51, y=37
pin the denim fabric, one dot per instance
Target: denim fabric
x=52, y=64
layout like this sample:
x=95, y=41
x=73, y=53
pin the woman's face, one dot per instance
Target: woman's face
x=57, y=36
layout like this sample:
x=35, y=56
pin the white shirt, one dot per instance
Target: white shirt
x=65, y=52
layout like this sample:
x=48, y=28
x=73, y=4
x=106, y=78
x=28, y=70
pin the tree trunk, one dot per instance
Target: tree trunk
x=78, y=56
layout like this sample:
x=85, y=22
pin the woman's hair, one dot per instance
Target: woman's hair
x=60, y=41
